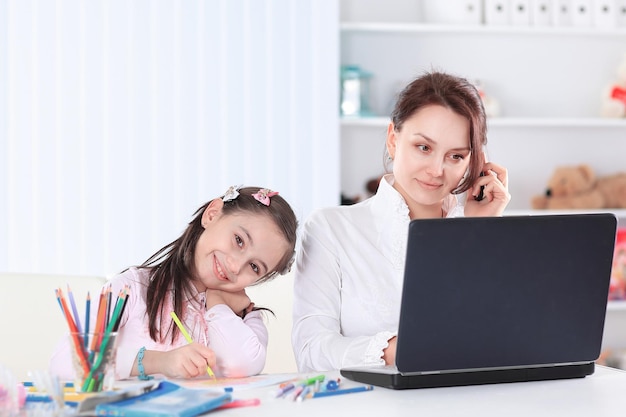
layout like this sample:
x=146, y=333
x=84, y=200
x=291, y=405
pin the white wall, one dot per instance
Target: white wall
x=118, y=119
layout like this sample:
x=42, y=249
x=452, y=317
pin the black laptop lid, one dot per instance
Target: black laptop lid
x=504, y=291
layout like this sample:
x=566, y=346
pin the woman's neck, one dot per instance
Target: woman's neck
x=426, y=212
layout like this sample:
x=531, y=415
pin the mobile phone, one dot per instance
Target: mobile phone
x=481, y=194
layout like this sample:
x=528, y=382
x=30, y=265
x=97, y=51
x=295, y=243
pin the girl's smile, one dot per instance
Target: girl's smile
x=219, y=272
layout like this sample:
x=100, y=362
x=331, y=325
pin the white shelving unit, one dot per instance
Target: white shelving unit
x=590, y=122
x=548, y=80
x=617, y=306
x=389, y=27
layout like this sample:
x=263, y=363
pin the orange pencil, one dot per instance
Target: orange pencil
x=99, y=327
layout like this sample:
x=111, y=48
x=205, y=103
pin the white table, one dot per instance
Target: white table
x=600, y=394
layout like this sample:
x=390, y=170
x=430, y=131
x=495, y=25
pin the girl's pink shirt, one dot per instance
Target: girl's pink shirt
x=240, y=345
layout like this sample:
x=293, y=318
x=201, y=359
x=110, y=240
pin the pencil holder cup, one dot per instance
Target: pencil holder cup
x=93, y=360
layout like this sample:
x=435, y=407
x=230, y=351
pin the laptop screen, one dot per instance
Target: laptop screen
x=501, y=292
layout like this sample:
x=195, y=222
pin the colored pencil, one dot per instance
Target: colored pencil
x=78, y=344
x=74, y=310
x=87, y=313
x=99, y=327
x=93, y=378
x=342, y=391
x=93, y=358
x=189, y=339
x=126, y=291
x=108, y=314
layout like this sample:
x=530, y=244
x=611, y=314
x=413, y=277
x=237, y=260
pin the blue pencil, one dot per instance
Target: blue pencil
x=342, y=391
x=87, y=310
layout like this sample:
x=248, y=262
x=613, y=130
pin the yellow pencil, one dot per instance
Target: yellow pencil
x=188, y=338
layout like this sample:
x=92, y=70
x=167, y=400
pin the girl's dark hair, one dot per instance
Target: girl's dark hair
x=172, y=267
x=455, y=93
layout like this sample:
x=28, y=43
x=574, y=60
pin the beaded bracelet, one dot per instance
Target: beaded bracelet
x=142, y=372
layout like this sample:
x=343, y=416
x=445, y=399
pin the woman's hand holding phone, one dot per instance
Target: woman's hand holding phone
x=490, y=192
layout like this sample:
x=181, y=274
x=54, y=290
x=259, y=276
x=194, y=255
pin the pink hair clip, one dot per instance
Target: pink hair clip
x=263, y=196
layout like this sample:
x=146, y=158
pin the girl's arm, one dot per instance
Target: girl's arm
x=240, y=345
x=187, y=361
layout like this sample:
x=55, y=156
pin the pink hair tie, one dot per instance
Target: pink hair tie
x=263, y=196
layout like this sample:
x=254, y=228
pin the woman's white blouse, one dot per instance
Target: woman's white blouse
x=348, y=280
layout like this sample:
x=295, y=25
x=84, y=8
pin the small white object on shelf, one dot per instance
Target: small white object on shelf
x=541, y=12
x=562, y=13
x=458, y=12
x=620, y=13
x=605, y=13
x=520, y=12
x=497, y=12
x=582, y=13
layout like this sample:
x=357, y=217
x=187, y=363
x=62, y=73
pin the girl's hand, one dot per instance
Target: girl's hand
x=496, y=192
x=237, y=301
x=188, y=361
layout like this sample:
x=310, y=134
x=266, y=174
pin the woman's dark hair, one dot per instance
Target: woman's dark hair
x=172, y=267
x=455, y=93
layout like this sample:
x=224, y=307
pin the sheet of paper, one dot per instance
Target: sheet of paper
x=236, y=384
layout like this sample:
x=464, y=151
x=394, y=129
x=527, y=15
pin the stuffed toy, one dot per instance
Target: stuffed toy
x=577, y=187
x=614, y=96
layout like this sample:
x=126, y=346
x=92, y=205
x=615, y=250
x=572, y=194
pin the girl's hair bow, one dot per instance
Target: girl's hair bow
x=232, y=193
x=263, y=196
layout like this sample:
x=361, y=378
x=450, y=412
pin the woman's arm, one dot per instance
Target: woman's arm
x=323, y=310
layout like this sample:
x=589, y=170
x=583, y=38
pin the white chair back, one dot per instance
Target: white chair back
x=31, y=321
x=277, y=295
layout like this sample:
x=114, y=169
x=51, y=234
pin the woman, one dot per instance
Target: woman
x=349, y=270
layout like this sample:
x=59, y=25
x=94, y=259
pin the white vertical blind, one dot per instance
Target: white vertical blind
x=118, y=119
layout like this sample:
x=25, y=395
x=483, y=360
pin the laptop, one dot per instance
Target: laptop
x=500, y=299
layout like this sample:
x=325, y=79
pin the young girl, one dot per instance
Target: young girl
x=244, y=238
x=349, y=273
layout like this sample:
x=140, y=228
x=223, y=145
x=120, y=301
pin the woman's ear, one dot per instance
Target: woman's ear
x=391, y=141
x=212, y=212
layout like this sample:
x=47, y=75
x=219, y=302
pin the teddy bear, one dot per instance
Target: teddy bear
x=577, y=187
x=614, y=96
